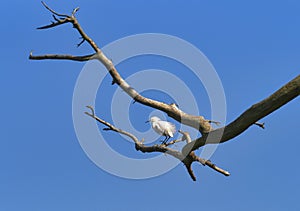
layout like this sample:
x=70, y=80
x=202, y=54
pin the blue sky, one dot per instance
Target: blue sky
x=254, y=47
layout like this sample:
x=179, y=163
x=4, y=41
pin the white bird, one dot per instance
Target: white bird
x=163, y=128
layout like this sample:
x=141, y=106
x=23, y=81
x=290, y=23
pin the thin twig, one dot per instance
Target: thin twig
x=74, y=11
x=81, y=42
x=110, y=126
x=92, y=109
x=52, y=11
x=262, y=125
x=54, y=24
x=187, y=161
x=215, y=122
x=174, y=142
x=218, y=169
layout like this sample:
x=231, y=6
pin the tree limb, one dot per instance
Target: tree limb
x=139, y=146
x=216, y=168
x=256, y=112
x=69, y=19
x=192, y=157
x=62, y=57
x=197, y=122
x=52, y=11
x=209, y=136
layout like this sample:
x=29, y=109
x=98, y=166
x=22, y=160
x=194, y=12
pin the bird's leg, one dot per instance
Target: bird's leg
x=166, y=140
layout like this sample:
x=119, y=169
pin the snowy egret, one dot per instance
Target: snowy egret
x=163, y=128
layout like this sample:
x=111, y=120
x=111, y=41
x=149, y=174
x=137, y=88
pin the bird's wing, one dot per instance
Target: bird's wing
x=172, y=130
x=168, y=129
x=157, y=128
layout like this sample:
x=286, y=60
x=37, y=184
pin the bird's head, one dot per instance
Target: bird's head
x=153, y=119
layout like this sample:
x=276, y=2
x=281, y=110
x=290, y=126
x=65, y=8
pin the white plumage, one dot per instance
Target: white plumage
x=163, y=128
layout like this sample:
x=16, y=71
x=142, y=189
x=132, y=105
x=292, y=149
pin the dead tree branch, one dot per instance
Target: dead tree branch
x=139, y=146
x=53, y=12
x=197, y=122
x=110, y=126
x=192, y=157
x=261, y=125
x=62, y=57
x=256, y=112
x=69, y=19
x=209, y=136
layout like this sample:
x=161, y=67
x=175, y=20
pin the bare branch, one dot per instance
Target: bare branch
x=54, y=24
x=190, y=171
x=215, y=122
x=84, y=36
x=187, y=161
x=75, y=10
x=197, y=122
x=138, y=144
x=186, y=136
x=52, y=11
x=92, y=109
x=70, y=19
x=63, y=57
x=174, y=142
x=209, y=136
x=192, y=157
x=262, y=125
x=111, y=127
x=256, y=112
x=218, y=169
x=81, y=42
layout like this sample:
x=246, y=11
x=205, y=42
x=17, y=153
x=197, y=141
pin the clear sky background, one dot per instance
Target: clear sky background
x=254, y=47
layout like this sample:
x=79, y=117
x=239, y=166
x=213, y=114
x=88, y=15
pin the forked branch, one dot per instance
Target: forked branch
x=209, y=136
x=163, y=148
x=197, y=122
x=285, y=94
x=61, y=19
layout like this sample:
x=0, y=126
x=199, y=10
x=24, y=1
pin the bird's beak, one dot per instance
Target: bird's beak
x=147, y=121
